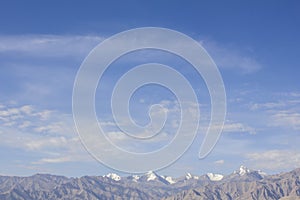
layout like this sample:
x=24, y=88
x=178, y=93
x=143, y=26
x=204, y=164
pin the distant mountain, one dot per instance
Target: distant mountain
x=241, y=184
x=215, y=177
x=245, y=174
x=244, y=184
x=113, y=176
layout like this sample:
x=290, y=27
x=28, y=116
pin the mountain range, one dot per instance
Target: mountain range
x=242, y=184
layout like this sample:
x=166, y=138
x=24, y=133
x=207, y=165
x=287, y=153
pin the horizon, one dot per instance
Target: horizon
x=255, y=46
x=124, y=175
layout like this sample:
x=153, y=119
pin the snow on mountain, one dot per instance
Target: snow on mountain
x=190, y=176
x=45, y=186
x=135, y=178
x=113, y=176
x=214, y=177
x=263, y=174
x=246, y=174
x=170, y=179
x=242, y=171
x=151, y=176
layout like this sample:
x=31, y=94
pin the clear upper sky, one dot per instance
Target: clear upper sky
x=255, y=44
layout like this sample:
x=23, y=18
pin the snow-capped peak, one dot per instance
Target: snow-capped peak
x=214, y=177
x=169, y=179
x=151, y=176
x=262, y=173
x=190, y=176
x=113, y=176
x=135, y=178
x=242, y=171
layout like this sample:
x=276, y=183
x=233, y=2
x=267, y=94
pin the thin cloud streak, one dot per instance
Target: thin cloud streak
x=80, y=45
x=275, y=159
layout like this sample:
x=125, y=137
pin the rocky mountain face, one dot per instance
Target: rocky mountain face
x=247, y=184
x=241, y=184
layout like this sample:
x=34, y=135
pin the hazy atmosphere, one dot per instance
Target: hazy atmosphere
x=254, y=44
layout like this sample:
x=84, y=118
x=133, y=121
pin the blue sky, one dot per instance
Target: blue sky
x=255, y=44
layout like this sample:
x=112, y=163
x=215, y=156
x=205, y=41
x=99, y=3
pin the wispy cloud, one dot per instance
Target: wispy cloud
x=28, y=118
x=228, y=57
x=233, y=127
x=283, y=113
x=48, y=45
x=79, y=46
x=219, y=162
x=286, y=118
x=166, y=132
x=275, y=159
x=45, y=133
x=268, y=105
x=236, y=127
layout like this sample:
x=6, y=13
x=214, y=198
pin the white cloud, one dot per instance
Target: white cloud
x=283, y=113
x=43, y=143
x=53, y=160
x=55, y=127
x=9, y=124
x=49, y=45
x=80, y=45
x=46, y=133
x=286, y=118
x=64, y=158
x=25, y=124
x=276, y=105
x=231, y=58
x=36, y=120
x=219, y=162
x=44, y=115
x=15, y=112
x=52, y=148
x=107, y=123
x=291, y=94
x=9, y=112
x=163, y=137
x=238, y=127
x=235, y=127
x=268, y=105
x=275, y=159
x=117, y=136
x=27, y=109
